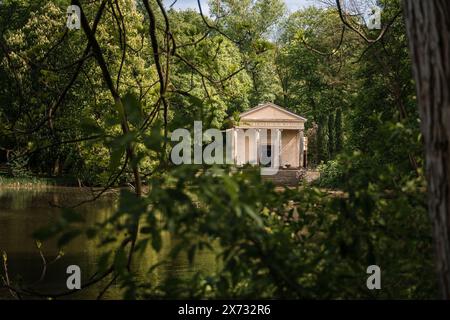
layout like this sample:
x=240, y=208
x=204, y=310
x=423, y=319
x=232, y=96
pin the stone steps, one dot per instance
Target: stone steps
x=290, y=177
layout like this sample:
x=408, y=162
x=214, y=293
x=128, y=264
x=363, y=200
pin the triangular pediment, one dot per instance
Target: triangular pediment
x=270, y=111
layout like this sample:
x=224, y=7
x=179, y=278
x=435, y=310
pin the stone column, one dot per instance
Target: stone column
x=258, y=146
x=235, y=150
x=301, y=136
x=280, y=146
x=305, y=153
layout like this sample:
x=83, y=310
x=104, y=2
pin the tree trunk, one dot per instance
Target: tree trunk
x=338, y=131
x=331, y=135
x=428, y=25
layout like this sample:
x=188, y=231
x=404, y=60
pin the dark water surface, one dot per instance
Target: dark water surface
x=22, y=211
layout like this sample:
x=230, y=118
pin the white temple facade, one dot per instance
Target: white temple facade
x=270, y=136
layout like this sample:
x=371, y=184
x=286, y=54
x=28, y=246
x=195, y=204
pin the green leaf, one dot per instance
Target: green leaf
x=103, y=261
x=155, y=140
x=90, y=126
x=116, y=157
x=156, y=240
x=118, y=147
x=120, y=259
x=142, y=245
x=253, y=215
x=131, y=204
x=68, y=236
x=133, y=109
x=195, y=101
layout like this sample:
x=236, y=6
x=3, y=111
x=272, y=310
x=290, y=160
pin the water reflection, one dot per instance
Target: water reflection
x=23, y=211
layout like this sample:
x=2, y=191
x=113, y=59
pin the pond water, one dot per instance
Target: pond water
x=22, y=211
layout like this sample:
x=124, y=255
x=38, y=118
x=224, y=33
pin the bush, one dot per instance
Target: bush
x=295, y=243
x=331, y=174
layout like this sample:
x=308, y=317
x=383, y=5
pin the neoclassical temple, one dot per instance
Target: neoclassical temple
x=271, y=136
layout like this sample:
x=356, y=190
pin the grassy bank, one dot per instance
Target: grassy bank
x=24, y=182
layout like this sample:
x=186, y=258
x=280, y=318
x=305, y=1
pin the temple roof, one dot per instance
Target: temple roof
x=270, y=111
